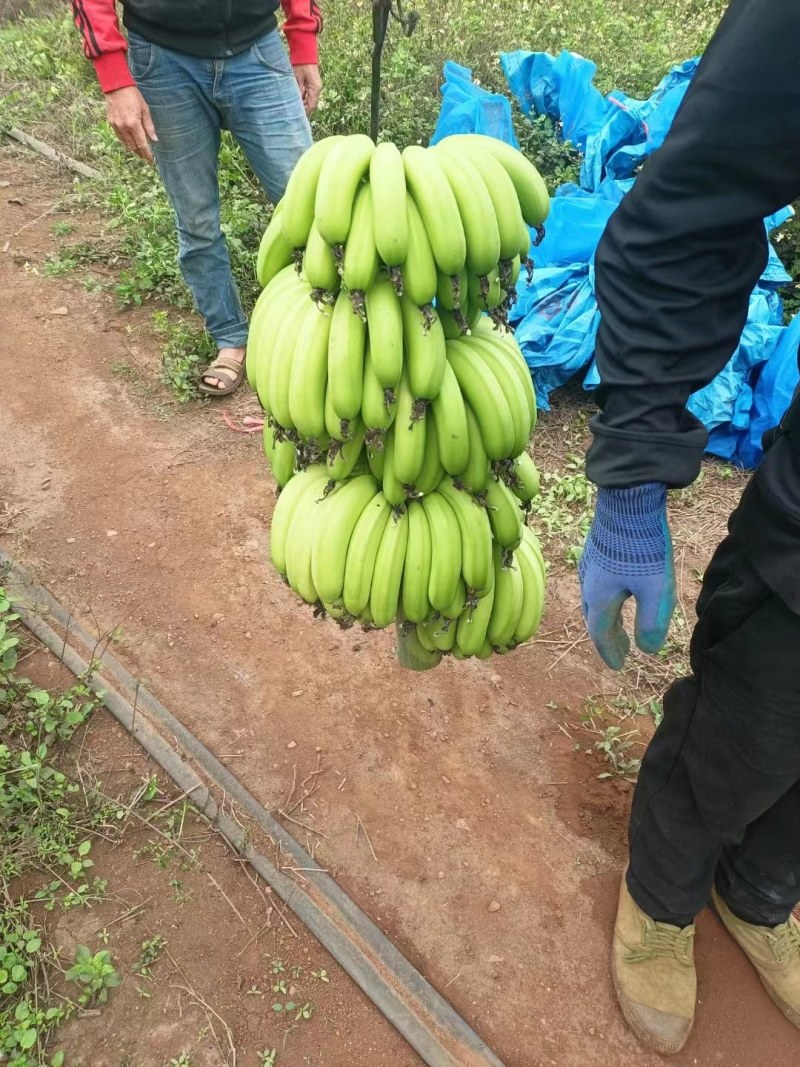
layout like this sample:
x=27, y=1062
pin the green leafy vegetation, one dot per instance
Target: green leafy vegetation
x=48, y=822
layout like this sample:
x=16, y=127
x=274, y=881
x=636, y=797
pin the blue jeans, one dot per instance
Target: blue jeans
x=191, y=99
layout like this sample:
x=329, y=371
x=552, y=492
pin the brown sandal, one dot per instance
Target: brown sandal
x=223, y=368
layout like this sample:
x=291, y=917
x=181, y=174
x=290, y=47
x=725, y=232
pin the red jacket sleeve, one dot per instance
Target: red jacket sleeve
x=303, y=23
x=103, y=42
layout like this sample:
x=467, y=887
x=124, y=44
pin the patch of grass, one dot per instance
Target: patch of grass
x=150, y=952
x=564, y=507
x=186, y=349
x=48, y=821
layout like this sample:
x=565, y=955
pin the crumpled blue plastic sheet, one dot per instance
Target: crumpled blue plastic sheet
x=556, y=315
x=467, y=108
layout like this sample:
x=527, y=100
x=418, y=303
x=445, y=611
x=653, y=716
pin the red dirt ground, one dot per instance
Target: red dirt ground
x=470, y=790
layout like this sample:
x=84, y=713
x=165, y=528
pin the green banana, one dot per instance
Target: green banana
x=267, y=318
x=499, y=363
x=432, y=470
x=393, y=489
x=530, y=539
x=336, y=610
x=445, y=581
x=475, y=476
x=534, y=200
x=476, y=208
x=300, y=542
x=409, y=431
x=459, y=601
x=288, y=501
x=301, y=192
x=385, y=325
x=483, y=394
x=430, y=189
x=282, y=455
x=388, y=574
x=336, y=428
x=362, y=552
x=505, y=516
x=504, y=342
x=532, y=595
x=339, y=181
x=411, y=653
x=417, y=568
x=275, y=252
x=343, y=456
x=418, y=273
x=425, y=353
x=282, y=360
x=450, y=420
x=388, y=182
x=309, y=373
x=376, y=458
x=476, y=536
x=503, y=194
x=440, y=634
x=486, y=293
x=451, y=293
x=346, y=347
x=319, y=264
x=332, y=535
x=509, y=592
x=485, y=651
x=424, y=633
x=473, y=625
x=454, y=324
x=524, y=478
x=378, y=405
x=360, y=262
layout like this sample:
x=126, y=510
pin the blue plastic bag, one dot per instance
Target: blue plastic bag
x=467, y=108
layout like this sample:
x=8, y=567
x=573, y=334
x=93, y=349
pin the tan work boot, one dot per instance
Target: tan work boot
x=654, y=976
x=774, y=952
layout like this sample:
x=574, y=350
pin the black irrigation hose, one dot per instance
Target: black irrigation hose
x=424, y=1018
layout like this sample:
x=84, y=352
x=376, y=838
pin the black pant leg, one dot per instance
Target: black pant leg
x=728, y=748
x=760, y=879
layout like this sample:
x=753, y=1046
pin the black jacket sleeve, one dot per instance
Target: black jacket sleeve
x=683, y=252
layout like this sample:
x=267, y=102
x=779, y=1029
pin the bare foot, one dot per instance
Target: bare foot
x=212, y=381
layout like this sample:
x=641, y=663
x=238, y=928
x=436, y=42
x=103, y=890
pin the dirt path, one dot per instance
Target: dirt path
x=470, y=791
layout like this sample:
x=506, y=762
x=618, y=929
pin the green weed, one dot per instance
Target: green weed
x=45, y=863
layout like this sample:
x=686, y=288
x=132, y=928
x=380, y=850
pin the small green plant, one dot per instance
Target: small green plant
x=63, y=229
x=268, y=1057
x=321, y=976
x=150, y=951
x=615, y=746
x=96, y=973
x=186, y=348
x=563, y=509
x=184, y=1060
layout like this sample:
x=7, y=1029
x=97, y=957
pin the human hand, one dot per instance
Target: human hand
x=309, y=82
x=129, y=117
x=628, y=553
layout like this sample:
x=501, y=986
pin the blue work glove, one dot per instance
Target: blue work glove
x=628, y=553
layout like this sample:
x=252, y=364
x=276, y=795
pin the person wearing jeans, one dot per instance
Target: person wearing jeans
x=186, y=72
x=716, y=811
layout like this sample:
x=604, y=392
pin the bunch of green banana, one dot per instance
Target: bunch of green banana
x=398, y=407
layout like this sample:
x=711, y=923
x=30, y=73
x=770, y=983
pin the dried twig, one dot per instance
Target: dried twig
x=363, y=827
x=233, y=907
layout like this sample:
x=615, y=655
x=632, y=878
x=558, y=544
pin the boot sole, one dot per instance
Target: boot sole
x=785, y=1009
x=666, y=1048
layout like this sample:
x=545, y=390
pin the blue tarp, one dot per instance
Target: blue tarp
x=556, y=315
